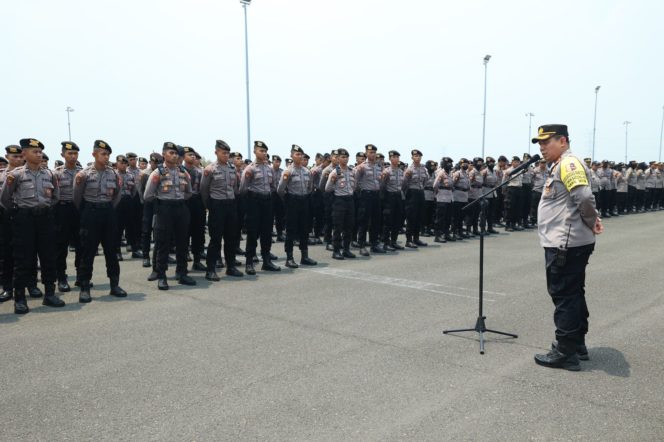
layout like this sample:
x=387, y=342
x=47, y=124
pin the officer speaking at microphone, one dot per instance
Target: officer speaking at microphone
x=567, y=225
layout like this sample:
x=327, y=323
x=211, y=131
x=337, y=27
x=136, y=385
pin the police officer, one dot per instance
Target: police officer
x=238, y=162
x=391, y=180
x=476, y=180
x=513, y=197
x=14, y=160
x=32, y=190
x=342, y=183
x=443, y=188
x=567, y=225
x=219, y=187
x=539, y=177
x=258, y=184
x=278, y=207
x=369, y=213
x=3, y=163
x=126, y=207
x=295, y=187
x=328, y=198
x=414, y=181
x=142, y=163
x=136, y=217
x=317, y=195
x=196, y=209
x=526, y=193
x=461, y=184
x=489, y=180
x=96, y=195
x=67, y=218
x=148, y=213
x=169, y=187
x=630, y=176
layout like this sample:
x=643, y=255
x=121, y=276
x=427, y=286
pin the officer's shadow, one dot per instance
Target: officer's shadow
x=131, y=296
x=608, y=360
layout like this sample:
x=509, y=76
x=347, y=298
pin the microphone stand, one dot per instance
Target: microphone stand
x=480, y=325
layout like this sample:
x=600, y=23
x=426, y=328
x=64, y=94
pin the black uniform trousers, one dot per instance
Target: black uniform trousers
x=146, y=228
x=535, y=198
x=67, y=226
x=640, y=199
x=414, y=212
x=649, y=198
x=631, y=198
x=6, y=249
x=125, y=213
x=222, y=223
x=297, y=222
x=279, y=212
x=392, y=216
x=513, y=204
x=526, y=200
x=368, y=216
x=621, y=201
x=33, y=237
x=241, y=205
x=136, y=224
x=603, y=205
x=196, y=225
x=566, y=285
x=428, y=215
x=457, y=216
x=317, y=212
x=99, y=224
x=171, y=222
x=328, y=199
x=259, y=223
x=490, y=213
x=499, y=207
x=343, y=217
x=443, y=218
x=472, y=215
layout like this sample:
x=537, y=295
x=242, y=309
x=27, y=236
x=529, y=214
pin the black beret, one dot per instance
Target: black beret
x=360, y=155
x=342, y=152
x=100, y=144
x=121, y=159
x=169, y=146
x=370, y=147
x=69, y=145
x=393, y=153
x=296, y=148
x=335, y=152
x=516, y=158
x=187, y=149
x=131, y=155
x=44, y=157
x=260, y=144
x=198, y=156
x=550, y=130
x=415, y=152
x=221, y=144
x=464, y=160
x=319, y=155
x=247, y=161
x=276, y=158
x=326, y=156
x=587, y=160
x=30, y=142
x=142, y=160
x=306, y=156
x=180, y=150
x=154, y=156
x=289, y=160
x=446, y=160
x=3, y=160
x=380, y=155
x=490, y=159
x=13, y=148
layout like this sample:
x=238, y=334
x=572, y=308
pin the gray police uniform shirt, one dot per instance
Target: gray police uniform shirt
x=219, y=182
x=258, y=178
x=651, y=178
x=325, y=173
x=195, y=175
x=316, y=172
x=345, y=183
x=516, y=182
x=415, y=177
x=490, y=180
x=604, y=175
x=443, y=187
x=168, y=184
x=594, y=181
x=65, y=178
x=476, y=181
x=621, y=182
x=97, y=186
x=136, y=172
x=659, y=176
x=29, y=189
x=640, y=180
x=367, y=176
x=295, y=181
x=567, y=206
x=631, y=177
x=127, y=184
x=461, y=186
x=539, y=178
x=392, y=179
x=527, y=176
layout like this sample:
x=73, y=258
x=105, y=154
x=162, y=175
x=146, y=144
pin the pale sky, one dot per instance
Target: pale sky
x=329, y=74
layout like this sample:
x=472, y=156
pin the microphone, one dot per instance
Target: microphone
x=535, y=158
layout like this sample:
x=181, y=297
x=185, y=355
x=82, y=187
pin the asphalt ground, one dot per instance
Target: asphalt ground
x=349, y=350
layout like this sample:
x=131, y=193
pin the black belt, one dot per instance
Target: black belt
x=261, y=196
x=100, y=205
x=344, y=197
x=65, y=203
x=222, y=202
x=428, y=188
x=369, y=192
x=298, y=197
x=443, y=187
x=170, y=203
x=34, y=210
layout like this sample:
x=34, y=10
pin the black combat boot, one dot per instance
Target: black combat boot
x=290, y=262
x=63, y=285
x=198, y=266
x=348, y=254
x=116, y=290
x=377, y=248
x=440, y=239
x=557, y=359
x=186, y=280
x=6, y=294
x=249, y=267
x=162, y=282
x=268, y=265
x=34, y=292
x=233, y=271
x=396, y=246
x=50, y=298
x=84, y=294
x=305, y=260
x=20, y=303
x=337, y=255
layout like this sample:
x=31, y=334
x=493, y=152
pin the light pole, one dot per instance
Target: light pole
x=486, y=62
x=69, y=110
x=661, y=132
x=626, y=123
x=246, y=3
x=595, y=121
x=530, y=116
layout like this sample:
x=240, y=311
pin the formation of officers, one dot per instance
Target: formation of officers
x=171, y=199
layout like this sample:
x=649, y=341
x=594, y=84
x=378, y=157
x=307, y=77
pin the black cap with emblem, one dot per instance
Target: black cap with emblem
x=142, y=160
x=30, y=142
x=13, y=149
x=550, y=130
x=121, y=159
x=44, y=157
x=296, y=148
x=393, y=153
x=370, y=148
x=3, y=160
x=169, y=146
x=260, y=145
x=361, y=155
x=187, y=149
x=69, y=146
x=415, y=152
x=154, y=156
x=131, y=155
x=221, y=144
x=342, y=152
x=101, y=144
x=276, y=158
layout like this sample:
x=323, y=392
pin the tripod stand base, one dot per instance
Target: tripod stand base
x=480, y=327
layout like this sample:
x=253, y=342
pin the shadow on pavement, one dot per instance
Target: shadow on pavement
x=608, y=360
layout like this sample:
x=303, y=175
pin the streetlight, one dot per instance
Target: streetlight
x=626, y=123
x=530, y=116
x=486, y=62
x=661, y=132
x=246, y=3
x=69, y=110
x=595, y=121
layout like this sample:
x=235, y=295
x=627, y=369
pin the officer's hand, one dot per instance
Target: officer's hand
x=598, y=228
x=248, y=173
x=333, y=177
x=286, y=175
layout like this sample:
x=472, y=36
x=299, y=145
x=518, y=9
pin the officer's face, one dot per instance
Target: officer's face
x=171, y=157
x=122, y=166
x=222, y=155
x=260, y=153
x=142, y=165
x=371, y=155
x=334, y=159
x=32, y=155
x=70, y=156
x=343, y=160
x=101, y=156
x=132, y=162
x=394, y=160
x=417, y=158
x=359, y=160
x=552, y=148
x=297, y=158
x=277, y=163
x=14, y=159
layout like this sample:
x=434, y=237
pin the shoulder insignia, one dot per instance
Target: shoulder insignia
x=572, y=173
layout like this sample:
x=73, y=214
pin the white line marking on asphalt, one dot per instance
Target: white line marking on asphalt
x=397, y=282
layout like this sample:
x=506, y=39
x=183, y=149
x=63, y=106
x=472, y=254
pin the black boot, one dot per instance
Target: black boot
x=348, y=254
x=6, y=294
x=20, y=303
x=84, y=294
x=119, y=255
x=268, y=265
x=153, y=276
x=162, y=283
x=440, y=239
x=211, y=275
x=409, y=242
x=146, y=262
x=249, y=267
x=337, y=255
x=233, y=271
x=290, y=262
x=50, y=297
x=63, y=285
x=34, y=292
x=305, y=260
x=388, y=247
x=556, y=359
x=364, y=251
x=186, y=280
x=449, y=237
x=581, y=350
x=396, y=246
x=377, y=248
x=116, y=290
x=198, y=266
